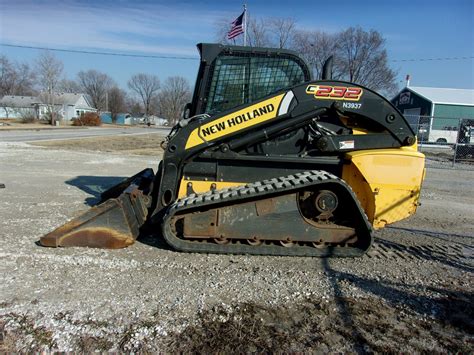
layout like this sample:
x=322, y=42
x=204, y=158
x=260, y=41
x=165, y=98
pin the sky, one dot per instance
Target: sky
x=413, y=29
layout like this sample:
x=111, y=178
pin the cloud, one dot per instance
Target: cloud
x=146, y=27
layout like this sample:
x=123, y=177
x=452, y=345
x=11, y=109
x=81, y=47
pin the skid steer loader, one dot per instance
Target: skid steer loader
x=267, y=161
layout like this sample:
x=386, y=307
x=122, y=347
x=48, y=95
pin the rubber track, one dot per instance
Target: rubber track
x=253, y=191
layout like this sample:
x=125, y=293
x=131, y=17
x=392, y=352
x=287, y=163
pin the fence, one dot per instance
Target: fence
x=446, y=142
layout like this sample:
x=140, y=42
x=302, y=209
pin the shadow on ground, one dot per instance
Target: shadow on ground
x=391, y=317
x=434, y=234
x=94, y=185
x=424, y=318
x=447, y=307
x=151, y=235
x=464, y=264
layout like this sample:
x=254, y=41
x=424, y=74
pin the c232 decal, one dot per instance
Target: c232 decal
x=326, y=92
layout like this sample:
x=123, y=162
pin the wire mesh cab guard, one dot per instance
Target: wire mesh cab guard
x=230, y=76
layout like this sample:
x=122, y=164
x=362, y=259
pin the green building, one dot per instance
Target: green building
x=436, y=112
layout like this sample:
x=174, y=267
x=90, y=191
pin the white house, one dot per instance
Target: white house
x=19, y=106
x=66, y=105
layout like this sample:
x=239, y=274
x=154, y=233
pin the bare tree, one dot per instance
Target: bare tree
x=173, y=97
x=222, y=26
x=26, y=114
x=363, y=59
x=146, y=86
x=283, y=30
x=315, y=47
x=69, y=86
x=49, y=70
x=6, y=105
x=26, y=79
x=116, y=102
x=15, y=79
x=96, y=84
x=133, y=105
x=257, y=33
x=261, y=32
x=7, y=76
x=359, y=56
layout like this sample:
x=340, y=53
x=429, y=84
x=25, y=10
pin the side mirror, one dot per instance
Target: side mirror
x=187, y=111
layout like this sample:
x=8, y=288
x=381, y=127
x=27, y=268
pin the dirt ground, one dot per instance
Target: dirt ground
x=16, y=124
x=412, y=292
x=144, y=144
x=11, y=123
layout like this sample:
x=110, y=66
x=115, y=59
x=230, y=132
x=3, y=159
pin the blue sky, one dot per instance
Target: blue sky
x=413, y=30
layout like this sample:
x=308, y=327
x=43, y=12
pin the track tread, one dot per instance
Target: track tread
x=448, y=254
x=264, y=189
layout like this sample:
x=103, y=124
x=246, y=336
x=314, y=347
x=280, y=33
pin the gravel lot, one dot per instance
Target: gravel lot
x=412, y=292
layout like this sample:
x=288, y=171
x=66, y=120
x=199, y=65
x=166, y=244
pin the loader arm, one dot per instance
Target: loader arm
x=235, y=134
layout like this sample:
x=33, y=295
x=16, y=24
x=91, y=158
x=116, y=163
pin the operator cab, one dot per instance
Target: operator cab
x=230, y=76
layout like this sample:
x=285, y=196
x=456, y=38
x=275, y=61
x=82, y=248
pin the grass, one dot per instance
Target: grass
x=363, y=325
x=13, y=341
x=143, y=144
x=340, y=324
x=89, y=344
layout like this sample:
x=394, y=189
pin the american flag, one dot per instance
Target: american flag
x=237, y=27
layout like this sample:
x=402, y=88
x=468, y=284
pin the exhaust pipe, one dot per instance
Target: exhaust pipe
x=327, y=69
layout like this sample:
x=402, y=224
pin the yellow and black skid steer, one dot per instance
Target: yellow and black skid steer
x=266, y=161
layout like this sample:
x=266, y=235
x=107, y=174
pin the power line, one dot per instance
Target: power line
x=431, y=59
x=196, y=58
x=99, y=53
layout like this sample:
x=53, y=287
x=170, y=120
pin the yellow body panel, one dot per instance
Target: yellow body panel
x=204, y=186
x=387, y=182
x=247, y=117
x=359, y=131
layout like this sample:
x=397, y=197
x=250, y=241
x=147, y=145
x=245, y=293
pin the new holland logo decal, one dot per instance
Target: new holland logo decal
x=237, y=120
x=234, y=122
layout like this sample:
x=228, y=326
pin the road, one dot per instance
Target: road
x=54, y=134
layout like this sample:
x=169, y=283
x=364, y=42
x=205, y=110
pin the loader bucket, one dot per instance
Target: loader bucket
x=113, y=224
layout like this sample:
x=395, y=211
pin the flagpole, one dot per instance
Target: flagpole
x=245, y=25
